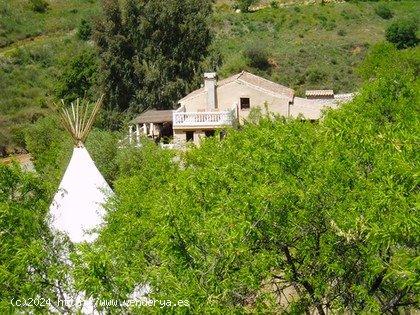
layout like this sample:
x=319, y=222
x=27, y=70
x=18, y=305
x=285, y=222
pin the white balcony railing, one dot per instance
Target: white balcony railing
x=181, y=118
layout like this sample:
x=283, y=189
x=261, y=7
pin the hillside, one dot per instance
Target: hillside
x=33, y=48
x=307, y=46
x=19, y=22
x=302, y=46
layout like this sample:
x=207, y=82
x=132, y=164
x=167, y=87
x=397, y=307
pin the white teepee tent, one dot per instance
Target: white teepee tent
x=77, y=207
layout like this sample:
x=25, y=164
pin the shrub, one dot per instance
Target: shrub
x=274, y=4
x=39, y=5
x=84, y=31
x=315, y=75
x=103, y=146
x=244, y=5
x=341, y=32
x=402, y=33
x=257, y=57
x=384, y=12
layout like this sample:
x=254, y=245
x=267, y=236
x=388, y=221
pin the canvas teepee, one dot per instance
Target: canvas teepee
x=77, y=207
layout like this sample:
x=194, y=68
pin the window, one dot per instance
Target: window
x=189, y=135
x=209, y=133
x=245, y=103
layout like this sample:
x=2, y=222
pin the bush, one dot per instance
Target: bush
x=103, y=147
x=384, y=12
x=315, y=75
x=39, y=5
x=50, y=147
x=84, y=31
x=341, y=32
x=244, y=5
x=402, y=33
x=274, y=4
x=257, y=58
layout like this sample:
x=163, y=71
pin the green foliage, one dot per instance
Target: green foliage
x=326, y=210
x=50, y=147
x=151, y=51
x=30, y=64
x=257, y=57
x=78, y=76
x=34, y=49
x=244, y=5
x=274, y=4
x=298, y=38
x=383, y=11
x=341, y=32
x=39, y=6
x=22, y=211
x=103, y=147
x=31, y=264
x=84, y=31
x=18, y=23
x=402, y=33
x=314, y=75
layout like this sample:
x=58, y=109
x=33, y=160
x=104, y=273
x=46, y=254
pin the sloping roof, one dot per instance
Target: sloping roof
x=265, y=84
x=153, y=116
x=252, y=80
x=319, y=93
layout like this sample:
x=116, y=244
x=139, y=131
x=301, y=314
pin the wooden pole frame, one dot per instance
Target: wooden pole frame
x=78, y=119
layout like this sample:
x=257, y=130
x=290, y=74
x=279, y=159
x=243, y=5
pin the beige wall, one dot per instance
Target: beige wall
x=180, y=136
x=230, y=94
x=227, y=96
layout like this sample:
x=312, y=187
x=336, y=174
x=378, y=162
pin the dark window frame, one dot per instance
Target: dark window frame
x=245, y=103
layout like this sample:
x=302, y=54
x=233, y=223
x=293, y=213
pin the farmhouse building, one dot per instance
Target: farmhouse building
x=219, y=104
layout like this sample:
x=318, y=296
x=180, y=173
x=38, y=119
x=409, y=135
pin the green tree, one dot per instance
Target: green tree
x=50, y=147
x=78, y=76
x=323, y=213
x=32, y=265
x=402, y=33
x=151, y=51
x=257, y=57
x=104, y=147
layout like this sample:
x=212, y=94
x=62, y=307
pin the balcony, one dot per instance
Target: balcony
x=211, y=119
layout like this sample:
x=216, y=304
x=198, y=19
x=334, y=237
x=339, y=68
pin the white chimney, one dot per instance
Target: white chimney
x=210, y=84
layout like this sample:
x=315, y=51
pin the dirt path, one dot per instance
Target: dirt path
x=295, y=3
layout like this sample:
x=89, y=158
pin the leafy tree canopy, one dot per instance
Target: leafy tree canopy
x=78, y=76
x=279, y=215
x=151, y=51
x=32, y=268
